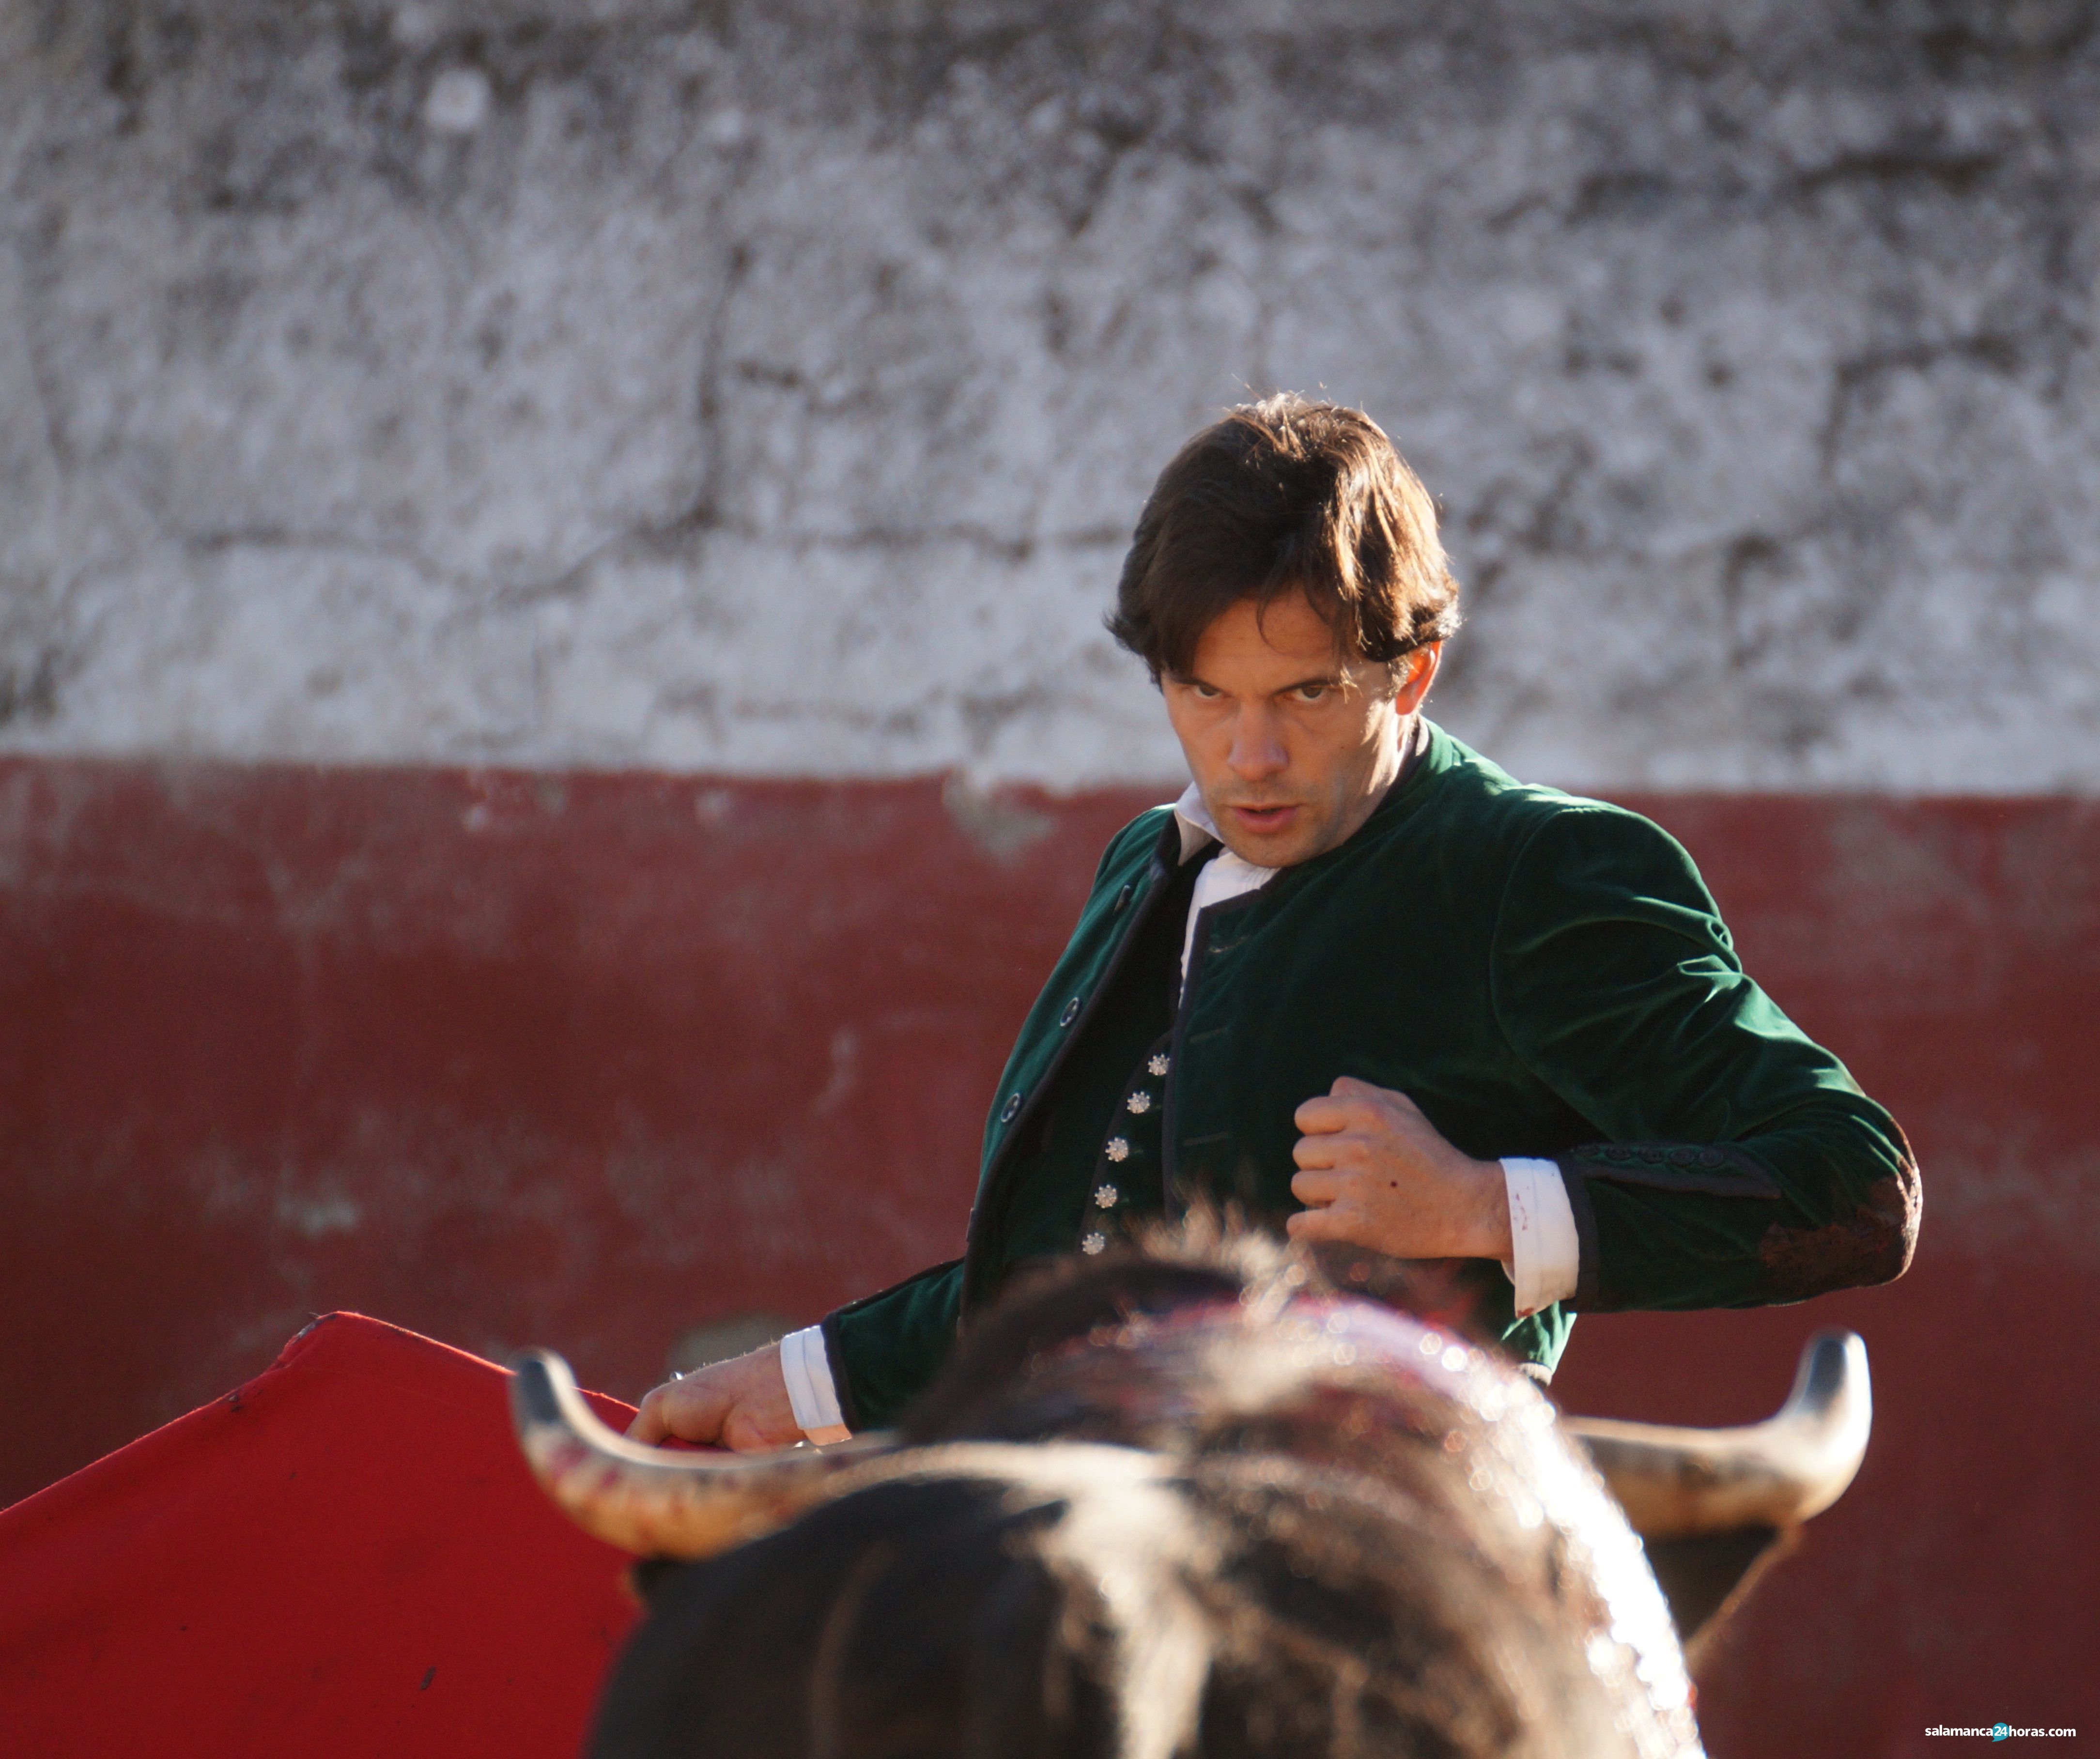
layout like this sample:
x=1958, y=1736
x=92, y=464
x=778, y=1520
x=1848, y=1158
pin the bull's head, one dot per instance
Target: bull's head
x=1192, y=1494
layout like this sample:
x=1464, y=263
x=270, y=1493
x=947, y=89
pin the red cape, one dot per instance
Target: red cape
x=346, y=1556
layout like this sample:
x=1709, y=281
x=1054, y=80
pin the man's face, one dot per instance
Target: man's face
x=1292, y=744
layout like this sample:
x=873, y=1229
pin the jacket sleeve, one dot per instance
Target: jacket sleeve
x=883, y=1348
x=1739, y=1164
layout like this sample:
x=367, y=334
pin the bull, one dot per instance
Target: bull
x=1209, y=1498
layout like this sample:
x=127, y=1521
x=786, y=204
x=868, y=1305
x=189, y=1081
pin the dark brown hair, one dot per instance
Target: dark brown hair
x=1281, y=495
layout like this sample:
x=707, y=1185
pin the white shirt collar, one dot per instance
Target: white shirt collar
x=1192, y=818
x=1198, y=830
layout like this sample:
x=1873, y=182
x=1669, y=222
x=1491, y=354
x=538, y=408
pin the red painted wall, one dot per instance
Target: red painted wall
x=583, y=1060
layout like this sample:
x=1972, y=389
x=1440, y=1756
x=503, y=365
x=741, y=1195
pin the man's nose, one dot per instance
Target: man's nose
x=1257, y=750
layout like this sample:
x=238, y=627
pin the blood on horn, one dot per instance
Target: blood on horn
x=1674, y=1483
x=657, y=1502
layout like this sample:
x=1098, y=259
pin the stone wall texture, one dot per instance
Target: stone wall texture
x=769, y=390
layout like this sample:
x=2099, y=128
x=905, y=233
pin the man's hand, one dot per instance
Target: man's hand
x=741, y=1403
x=1373, y=1172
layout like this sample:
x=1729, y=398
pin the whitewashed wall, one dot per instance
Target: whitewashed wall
x=770, y=390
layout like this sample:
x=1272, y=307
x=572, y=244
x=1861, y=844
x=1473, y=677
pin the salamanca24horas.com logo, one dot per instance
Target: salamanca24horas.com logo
x=1999, y=1731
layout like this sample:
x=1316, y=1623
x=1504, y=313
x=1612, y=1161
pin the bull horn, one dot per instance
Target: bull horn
x=1675, y=1483
x=656, y=1502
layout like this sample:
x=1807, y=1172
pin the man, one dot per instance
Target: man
x=1363, y=985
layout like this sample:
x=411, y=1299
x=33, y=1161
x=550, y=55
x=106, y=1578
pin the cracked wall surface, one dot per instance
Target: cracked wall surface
x=770, y=390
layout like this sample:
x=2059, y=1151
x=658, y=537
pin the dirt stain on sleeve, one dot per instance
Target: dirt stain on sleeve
x=1873, y=1245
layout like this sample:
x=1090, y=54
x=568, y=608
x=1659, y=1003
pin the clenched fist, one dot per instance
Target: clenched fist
x=1373, y=1172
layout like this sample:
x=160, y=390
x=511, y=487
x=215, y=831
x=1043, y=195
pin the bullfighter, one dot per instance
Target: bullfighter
x=1366, y=987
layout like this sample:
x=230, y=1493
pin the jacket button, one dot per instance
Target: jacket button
x=1122, y=897
x=1680, y=1157
x=1071, y=1012
x=1012, y=1104
x=1709, y=1157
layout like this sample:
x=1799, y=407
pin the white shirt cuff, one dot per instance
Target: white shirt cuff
x=1545, y=1257
x=806, y=1367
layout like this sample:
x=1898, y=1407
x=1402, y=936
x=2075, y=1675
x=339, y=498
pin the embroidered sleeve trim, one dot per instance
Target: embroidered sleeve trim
x=1717, y=1170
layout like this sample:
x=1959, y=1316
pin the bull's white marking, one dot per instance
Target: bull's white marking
x=1133, y=1550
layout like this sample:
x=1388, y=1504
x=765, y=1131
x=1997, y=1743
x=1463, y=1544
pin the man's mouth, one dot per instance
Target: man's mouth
x=1264, y=820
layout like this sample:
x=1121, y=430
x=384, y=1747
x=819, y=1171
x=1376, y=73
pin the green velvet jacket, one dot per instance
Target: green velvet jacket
x=1542, y=975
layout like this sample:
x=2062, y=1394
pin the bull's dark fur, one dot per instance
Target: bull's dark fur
x=1343, y=1591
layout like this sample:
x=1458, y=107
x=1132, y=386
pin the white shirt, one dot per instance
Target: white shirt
x=1544, y=1252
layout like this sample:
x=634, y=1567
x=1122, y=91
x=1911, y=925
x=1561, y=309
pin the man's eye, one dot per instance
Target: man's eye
x=1311, y=693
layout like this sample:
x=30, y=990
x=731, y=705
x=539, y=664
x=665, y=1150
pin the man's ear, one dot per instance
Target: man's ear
x=1416, y=672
